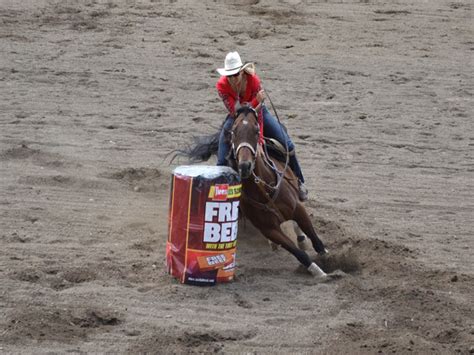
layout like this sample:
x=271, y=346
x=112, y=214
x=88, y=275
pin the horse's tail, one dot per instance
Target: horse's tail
x=202, y=149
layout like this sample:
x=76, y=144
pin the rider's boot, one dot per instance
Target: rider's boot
x=302, y=191
x=295, y=166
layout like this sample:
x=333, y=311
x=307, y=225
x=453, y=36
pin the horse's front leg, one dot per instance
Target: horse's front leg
x=277, y=236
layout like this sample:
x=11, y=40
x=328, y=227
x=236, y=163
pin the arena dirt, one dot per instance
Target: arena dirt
x=377, y=96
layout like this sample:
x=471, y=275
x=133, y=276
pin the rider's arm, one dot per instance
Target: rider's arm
x=255, y=89
x=225, y=93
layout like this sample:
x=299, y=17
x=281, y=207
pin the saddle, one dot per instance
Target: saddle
x=276, y=150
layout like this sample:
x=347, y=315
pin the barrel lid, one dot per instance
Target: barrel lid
x=205, y=171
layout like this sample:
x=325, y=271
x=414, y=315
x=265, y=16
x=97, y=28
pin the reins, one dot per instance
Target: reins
x=280, y=174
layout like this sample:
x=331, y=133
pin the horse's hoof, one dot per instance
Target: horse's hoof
x=316, y=271
x=324, y=253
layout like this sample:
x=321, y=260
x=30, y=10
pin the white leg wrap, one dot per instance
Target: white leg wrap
x=315, y=270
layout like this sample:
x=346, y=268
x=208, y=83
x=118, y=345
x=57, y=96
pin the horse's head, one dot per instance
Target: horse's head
x=244, y=140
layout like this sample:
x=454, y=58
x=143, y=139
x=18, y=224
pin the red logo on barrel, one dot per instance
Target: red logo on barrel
x=220, y=192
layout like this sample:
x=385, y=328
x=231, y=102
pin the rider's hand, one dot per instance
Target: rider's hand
x=261, y=96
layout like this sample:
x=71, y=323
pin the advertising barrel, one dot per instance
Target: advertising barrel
x=203, y=218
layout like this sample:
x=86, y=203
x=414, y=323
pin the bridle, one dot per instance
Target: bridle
x=258, y=180
x=260, y=183
x=252, y=149
x=241, y=145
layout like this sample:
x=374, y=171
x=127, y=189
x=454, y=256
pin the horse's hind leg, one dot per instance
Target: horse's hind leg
x=277, y=236
x=302, y=219
x=300, y=236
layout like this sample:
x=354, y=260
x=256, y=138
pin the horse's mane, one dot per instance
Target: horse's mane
x=245, y=110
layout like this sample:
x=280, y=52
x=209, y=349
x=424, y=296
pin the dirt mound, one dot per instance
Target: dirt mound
x=36, y=156
x=347, y=262
x=57, y=324
x=55, y=278
x=135, y=174
x=191, y=341
x=21, y=152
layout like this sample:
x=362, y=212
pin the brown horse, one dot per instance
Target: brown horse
x=269, y=188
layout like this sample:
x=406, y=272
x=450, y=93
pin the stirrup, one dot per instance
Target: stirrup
x=302, y=191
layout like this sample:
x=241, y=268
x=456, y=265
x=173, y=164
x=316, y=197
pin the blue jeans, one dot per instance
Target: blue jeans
x=271, y=129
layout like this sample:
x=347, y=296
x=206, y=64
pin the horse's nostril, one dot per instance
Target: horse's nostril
x=244, y=169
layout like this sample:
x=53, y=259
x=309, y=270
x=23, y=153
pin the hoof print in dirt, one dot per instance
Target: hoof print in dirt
x=242, y=302
x=96, y=319
x=196, y=339
x=63, y=279
x=28, y=275
x=77, y=276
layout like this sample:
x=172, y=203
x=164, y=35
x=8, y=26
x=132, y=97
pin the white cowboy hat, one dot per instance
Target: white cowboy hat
x=232, y=64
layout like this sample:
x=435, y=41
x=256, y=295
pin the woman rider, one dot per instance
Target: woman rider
x=238, y=86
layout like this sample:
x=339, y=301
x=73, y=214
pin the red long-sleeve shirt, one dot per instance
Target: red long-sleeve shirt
x=230, y=97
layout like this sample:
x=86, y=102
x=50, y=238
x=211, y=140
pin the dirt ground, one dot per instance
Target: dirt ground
x=378, y=98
